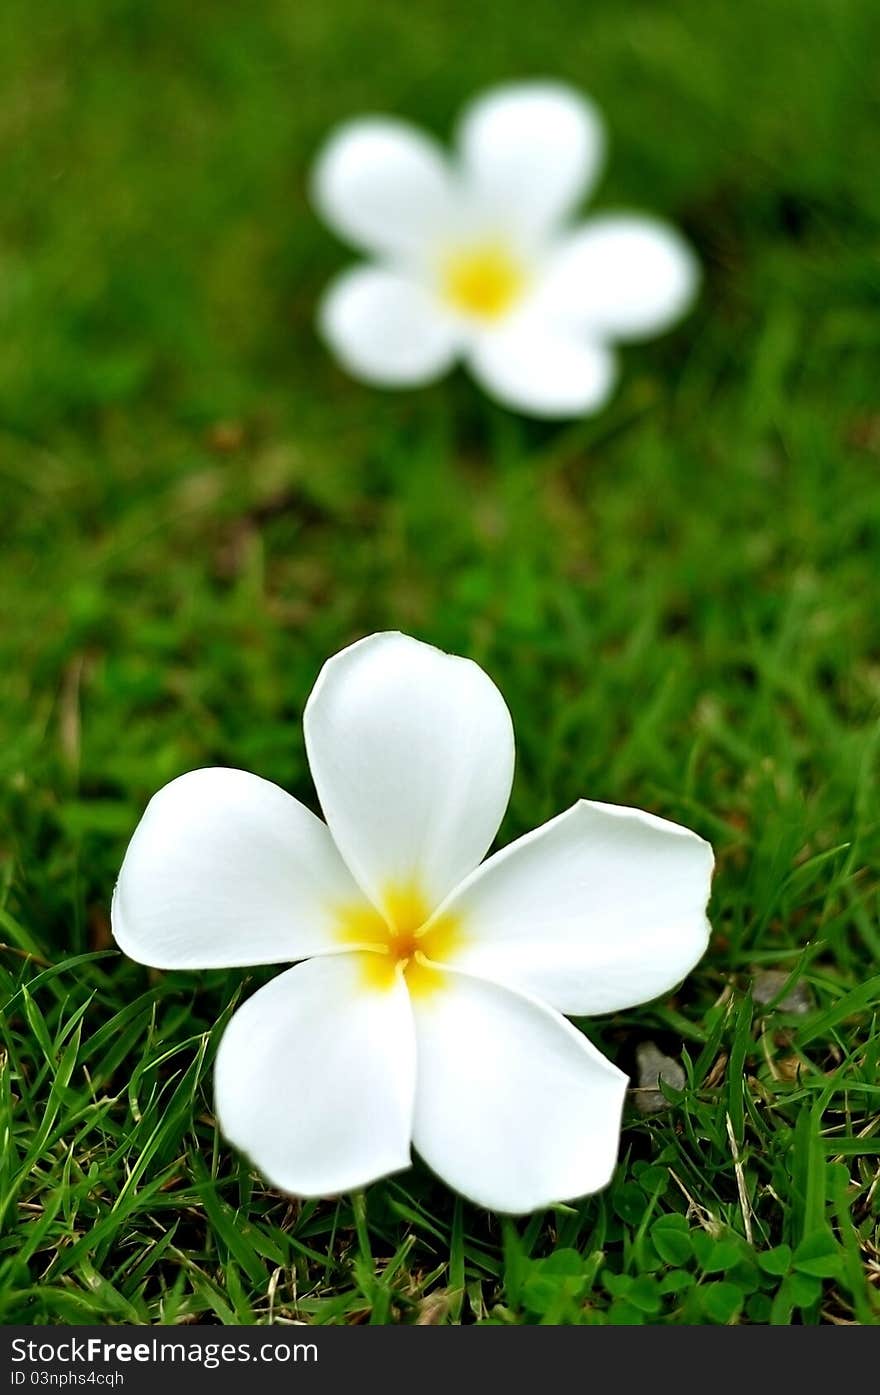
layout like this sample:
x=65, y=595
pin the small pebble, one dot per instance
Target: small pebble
x=766, y=985
x=653, y=1067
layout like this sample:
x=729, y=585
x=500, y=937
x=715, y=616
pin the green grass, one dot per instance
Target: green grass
x=678, y=599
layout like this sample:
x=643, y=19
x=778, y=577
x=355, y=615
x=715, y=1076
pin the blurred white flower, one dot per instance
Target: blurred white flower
x=429, y=1009
x=477, y=260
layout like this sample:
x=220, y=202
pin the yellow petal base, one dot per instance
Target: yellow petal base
x=401, y=941
x=482, y=281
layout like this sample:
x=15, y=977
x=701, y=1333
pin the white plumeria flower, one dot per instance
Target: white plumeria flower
x=428, y=1011
x=477, y=260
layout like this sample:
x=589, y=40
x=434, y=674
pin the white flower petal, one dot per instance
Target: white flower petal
x=411, y=752
x=386, y=328
x=227, y=869
x=530, y=151
x=542, y=369
x=315, y=1075
x=599, y=909
x=385, y=186
x=514, y=1107
x=622, y=276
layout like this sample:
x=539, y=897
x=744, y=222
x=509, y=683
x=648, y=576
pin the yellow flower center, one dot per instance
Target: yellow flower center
x=482, y=281
x=401, y=940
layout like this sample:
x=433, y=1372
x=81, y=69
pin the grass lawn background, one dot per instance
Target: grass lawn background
x=678, y=598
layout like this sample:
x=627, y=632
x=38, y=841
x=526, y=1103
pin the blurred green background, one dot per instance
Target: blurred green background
x=678, y=597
